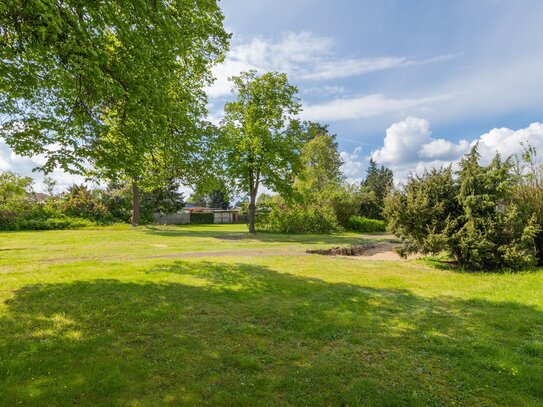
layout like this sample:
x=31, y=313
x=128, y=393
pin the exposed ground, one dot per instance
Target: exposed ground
x=211, y=316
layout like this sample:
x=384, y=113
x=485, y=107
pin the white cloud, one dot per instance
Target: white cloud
x=304, y=56
x=9, y=161
x=409, y=146
x=443, y=149
x=403, y=141
x=366, y=106
x=352, y=166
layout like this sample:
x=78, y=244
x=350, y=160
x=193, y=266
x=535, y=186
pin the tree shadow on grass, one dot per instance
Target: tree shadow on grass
x=238, y=334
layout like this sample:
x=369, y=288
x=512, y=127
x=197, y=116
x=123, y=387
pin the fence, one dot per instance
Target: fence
x=182, y=218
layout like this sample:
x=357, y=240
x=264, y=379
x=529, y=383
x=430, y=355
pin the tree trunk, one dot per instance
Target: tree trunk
x=252, y=213
x=135, y=203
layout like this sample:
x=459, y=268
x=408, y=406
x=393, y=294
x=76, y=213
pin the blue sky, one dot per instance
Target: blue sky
x=461, y=68
x=411, y=83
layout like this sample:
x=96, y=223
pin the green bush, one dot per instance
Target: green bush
x=79, y=202
x=366, y=225
x=201, y=218
x=46, y=224
x=297, y=219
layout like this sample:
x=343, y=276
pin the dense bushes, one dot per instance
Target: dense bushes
x=48, y=224
x=201, y=218
x=366, y=225
x=79, y=202
x=21, y=208
x=297, y=219
x=474, y=216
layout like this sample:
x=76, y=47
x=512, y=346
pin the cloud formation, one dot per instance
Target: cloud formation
x=305, y=57
x=410, y=148
x=9, y=161
x=366, y=106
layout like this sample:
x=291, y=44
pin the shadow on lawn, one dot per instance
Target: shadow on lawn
x=246, y=335
x=218, y=232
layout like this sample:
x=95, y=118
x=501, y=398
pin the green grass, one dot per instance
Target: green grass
x=116, y=317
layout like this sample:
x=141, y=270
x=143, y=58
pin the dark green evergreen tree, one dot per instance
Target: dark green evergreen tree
x=375, y=187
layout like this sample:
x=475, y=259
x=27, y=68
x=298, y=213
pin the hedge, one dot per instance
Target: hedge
x=201, y=218
x=47, y=224
x=366, y=225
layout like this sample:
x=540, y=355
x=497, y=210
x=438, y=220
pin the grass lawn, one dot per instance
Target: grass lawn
x=132, y=317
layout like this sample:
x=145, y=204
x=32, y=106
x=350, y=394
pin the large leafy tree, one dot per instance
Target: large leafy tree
x=261, y=139
x=115, y=85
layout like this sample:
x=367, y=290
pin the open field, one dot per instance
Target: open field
x=210, y=316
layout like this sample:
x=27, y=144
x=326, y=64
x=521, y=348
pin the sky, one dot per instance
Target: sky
x=412, y=84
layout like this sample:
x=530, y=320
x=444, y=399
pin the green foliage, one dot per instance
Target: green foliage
x=201, y=218
x=261, y=139
x=115, y=84
x=118, y=199
x=421, y=211
x=74, y=71
x=366, y=225
x=528, y=192
x=297, y=219
x=344, y=202
x=211, y=194
x=166, y=199
x=321, y=165
x=375, y=188
x=59, y=223
x=79, y=202
x=473, y=216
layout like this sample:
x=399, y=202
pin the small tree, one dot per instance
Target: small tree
x=321, y=165
x=375, y=188
x=528, y=192
x=261, y=139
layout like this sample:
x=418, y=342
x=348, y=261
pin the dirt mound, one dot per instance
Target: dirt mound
x=356, y=250
x=383, y=250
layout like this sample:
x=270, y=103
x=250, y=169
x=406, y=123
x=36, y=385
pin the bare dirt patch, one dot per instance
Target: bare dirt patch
x=369, y=251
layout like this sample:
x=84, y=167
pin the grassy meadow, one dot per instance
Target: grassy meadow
x=207, y=315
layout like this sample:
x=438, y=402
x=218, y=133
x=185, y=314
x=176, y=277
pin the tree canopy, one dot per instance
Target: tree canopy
x=261, y=138
x=115, y=85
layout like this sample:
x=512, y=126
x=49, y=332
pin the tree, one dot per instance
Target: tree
x=473, y=216
x=111, y=84
x=490, y=232
x=321, y=184
x=211, y=194
x=419, y=213
x=166, y=199
x=321, y=164
x=260, y=139
x=50, y=185
x=375, y=187
x=528, y=192
x=14, y=188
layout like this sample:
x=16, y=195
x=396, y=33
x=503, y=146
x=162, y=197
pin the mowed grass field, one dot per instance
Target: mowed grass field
x=210, y=316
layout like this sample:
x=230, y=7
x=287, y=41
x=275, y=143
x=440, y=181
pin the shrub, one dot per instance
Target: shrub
x=473, y=216
x=79, y=202
x=366, y=225
x=297, y=219
x=201, y=218
x=47, y=224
